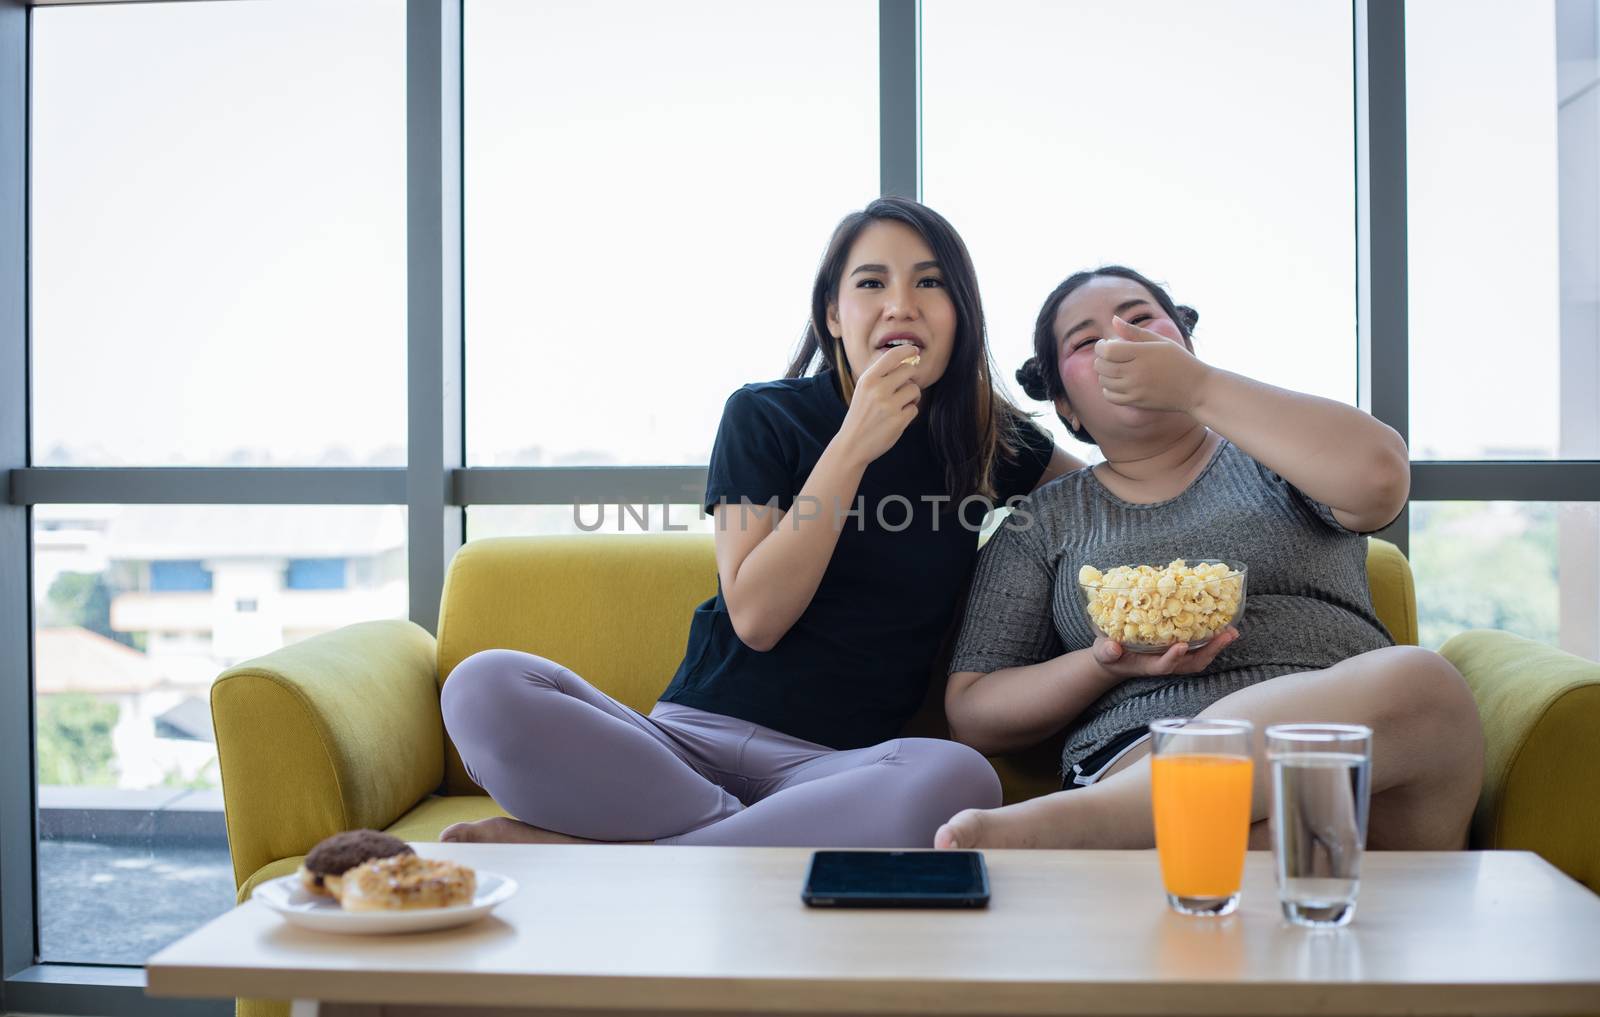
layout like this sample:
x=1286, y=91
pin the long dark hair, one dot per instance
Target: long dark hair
x=972, y=425
x=1039, y=376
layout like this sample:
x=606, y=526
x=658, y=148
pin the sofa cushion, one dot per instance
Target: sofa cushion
x=1541, y=725
x=1394, y=596
x=432, y=815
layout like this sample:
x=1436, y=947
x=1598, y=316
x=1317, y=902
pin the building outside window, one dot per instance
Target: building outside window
x=316, y=574
x=179, y=576
x=124, y=741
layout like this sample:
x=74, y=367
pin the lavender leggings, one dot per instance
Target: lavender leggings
x=559, y=754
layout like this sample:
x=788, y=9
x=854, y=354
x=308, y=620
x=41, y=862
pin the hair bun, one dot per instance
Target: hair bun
x=1031, y=377
x=1190, y=316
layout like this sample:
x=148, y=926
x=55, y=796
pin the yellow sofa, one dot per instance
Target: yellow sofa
x=343, y=730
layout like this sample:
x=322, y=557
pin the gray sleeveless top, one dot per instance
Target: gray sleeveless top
x=1307, y=604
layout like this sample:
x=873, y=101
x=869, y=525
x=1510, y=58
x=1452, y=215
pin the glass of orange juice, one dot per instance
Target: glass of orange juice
x=1200, y=786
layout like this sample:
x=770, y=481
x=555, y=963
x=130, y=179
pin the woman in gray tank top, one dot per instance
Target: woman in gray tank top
x=1200, y=462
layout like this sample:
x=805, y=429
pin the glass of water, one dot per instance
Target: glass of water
x=1321, y=788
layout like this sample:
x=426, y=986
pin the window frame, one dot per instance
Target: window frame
x=436, y=487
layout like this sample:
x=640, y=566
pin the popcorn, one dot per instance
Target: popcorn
x=1144, y=607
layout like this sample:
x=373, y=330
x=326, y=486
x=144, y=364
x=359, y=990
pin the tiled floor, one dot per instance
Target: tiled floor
x=105, y=903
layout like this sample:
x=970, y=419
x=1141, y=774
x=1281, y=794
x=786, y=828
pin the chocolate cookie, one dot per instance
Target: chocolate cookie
x=336, y=855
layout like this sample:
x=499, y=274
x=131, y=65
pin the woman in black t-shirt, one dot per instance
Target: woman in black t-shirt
x=848, y=503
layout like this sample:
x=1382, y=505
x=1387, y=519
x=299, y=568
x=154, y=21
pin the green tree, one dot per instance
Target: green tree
x=206, y=779
x=83, y=599
x=1476, y=572
x=75, y=739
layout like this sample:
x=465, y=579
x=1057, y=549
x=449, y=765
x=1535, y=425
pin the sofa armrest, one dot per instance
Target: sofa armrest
x=1541, y=724
x=337, y=732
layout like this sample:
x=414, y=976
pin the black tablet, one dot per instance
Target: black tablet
x=896, y=879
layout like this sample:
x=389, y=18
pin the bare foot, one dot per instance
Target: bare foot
x=503, y=830
x=963, y=832
x=1030, y=824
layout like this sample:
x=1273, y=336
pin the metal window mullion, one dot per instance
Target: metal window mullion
x=1505, y=481
x=581, y=485
x=84, y=990
x=1383, y=352
x=208, y=486
x=17, y=808
x=434, y=406
x=535, y=485
x=900, y=97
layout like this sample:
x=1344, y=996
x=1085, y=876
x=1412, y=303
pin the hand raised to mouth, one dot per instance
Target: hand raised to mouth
x=1145, y=369
x=884, y=403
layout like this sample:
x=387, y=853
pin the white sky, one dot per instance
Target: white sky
x=218, y=230
x=219, y=208
x=1484, y=266
x=1208, y=145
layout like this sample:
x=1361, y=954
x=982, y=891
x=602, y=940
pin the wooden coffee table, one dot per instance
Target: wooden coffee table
x=677, y=930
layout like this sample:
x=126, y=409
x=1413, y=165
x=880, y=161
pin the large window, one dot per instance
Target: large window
x=129, y=799
x=218, y=234
x=1504, y=238
x=132, y=847
x=649, y=187
x=218, y=279
x=1055, y=141
x=1483, y=222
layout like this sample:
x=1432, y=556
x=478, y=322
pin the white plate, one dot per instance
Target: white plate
x=287, y=896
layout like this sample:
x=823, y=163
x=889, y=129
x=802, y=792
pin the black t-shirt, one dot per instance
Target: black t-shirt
x=855, y=665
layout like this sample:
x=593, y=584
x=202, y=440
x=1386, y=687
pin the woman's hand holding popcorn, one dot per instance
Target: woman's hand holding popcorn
x=1178, y=659
x=1143, y=369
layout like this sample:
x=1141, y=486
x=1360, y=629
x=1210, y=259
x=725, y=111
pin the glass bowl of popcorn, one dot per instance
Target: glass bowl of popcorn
x=1148, y=608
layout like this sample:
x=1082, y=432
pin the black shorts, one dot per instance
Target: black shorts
x=1094, y=766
